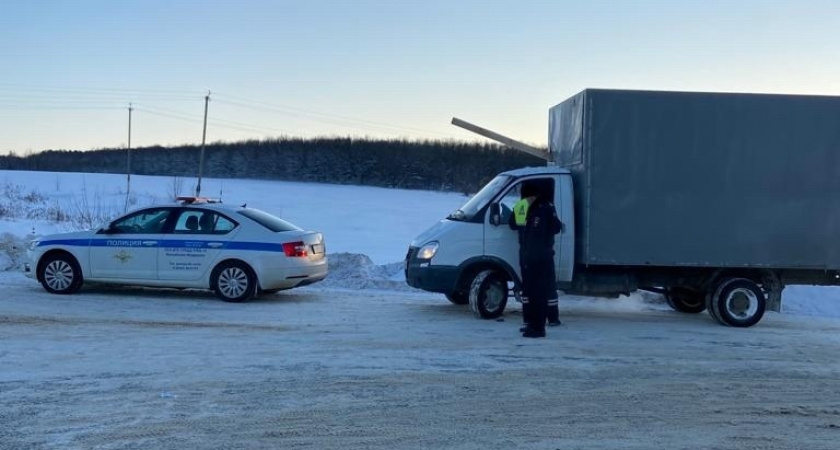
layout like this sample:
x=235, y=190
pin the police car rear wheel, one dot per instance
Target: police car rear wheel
x=60, y=274
x=234, y=282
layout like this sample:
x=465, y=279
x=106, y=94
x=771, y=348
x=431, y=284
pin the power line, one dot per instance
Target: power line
x=98, y=91
x=20, y=107
x=164, y=113
x=324, y=117
x=16, y=97
x=238, y=126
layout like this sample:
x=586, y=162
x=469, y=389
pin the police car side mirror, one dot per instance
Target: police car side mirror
x=495, y=214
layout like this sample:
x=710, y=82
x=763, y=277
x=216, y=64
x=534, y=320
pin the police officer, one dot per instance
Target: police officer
x=517, y=222
x=536, y=219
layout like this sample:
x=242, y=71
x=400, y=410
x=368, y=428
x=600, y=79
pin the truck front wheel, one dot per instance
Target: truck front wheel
x=685, y=300
x=458, y=297
x=737, y=302
x=488, y=294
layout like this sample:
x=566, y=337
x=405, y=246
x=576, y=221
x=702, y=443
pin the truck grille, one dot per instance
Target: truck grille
x=412, y=252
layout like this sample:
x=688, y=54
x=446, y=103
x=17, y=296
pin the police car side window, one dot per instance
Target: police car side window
x=188, y=222
x=194, y=221
x=223, y=225
x=142, y=222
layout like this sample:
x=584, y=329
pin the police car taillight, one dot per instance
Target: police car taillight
x=294, y=249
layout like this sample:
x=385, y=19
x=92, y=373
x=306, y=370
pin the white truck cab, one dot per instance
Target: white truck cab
x=472, y=256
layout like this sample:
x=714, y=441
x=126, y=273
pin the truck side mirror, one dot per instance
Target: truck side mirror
x=495, y=214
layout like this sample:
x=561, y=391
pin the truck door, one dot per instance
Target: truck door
x=564, y=243
x=502, y=242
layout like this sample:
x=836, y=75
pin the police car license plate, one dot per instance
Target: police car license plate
x=318, y=248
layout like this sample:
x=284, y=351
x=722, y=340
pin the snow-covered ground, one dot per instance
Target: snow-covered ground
x=363, y=361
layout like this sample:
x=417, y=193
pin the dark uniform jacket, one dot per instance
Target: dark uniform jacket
x=538, y=235
x=537, y=250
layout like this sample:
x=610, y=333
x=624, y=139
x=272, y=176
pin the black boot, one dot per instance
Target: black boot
x=532, y=333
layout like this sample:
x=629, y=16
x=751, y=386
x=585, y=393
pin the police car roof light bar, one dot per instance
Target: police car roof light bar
x=190, y=200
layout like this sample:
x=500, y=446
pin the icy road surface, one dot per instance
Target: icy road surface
x=322, y=368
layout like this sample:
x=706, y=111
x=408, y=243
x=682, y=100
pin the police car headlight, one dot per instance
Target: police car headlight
x=428, y=251
x=34, y=244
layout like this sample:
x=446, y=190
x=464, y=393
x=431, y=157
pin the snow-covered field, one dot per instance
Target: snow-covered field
x=362, y=361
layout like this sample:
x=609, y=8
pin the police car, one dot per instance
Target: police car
x=198, y=243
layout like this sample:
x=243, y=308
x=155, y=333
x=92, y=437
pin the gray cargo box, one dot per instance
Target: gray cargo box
x=702, y=179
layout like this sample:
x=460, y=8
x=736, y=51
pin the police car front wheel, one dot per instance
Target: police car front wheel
x=234, y=282
x=59, y=273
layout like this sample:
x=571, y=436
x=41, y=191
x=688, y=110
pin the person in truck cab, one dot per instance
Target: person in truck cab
x=535, y=218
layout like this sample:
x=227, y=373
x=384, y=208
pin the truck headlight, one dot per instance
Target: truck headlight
x=428, y=251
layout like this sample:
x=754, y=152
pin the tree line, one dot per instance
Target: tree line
x=406, y=164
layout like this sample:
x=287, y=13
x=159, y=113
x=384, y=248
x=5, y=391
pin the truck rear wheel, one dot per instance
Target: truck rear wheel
x=488, y=294
x=737, y=302
x=685, y=300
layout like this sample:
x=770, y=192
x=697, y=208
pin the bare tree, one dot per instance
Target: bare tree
x=175, y=186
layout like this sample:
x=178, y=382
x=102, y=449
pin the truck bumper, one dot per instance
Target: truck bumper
x=421, y=275
x=433, y=278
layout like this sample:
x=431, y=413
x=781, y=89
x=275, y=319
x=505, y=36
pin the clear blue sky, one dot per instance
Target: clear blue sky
x=384, y=68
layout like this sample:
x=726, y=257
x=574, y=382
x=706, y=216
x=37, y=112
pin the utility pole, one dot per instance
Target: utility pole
x=203, y=140
x=128, y=164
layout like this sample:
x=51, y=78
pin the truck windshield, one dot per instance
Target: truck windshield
x=467, y=212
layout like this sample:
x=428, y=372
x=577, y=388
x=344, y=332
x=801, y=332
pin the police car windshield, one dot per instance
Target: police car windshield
x=467, y=212
x=267, y=220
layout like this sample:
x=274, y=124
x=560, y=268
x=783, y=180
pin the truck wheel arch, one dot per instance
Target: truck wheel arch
x=473, y=266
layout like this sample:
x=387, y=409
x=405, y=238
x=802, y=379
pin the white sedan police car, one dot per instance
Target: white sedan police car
x=234, y=250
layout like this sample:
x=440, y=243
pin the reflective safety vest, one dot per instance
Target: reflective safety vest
x=520, y=212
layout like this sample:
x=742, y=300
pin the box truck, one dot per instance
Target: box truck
x=716, y=200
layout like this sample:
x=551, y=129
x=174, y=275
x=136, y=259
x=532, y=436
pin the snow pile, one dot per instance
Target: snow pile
x=6, y=263
x=358, y=271
x=12, y=251
x=817, y=301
